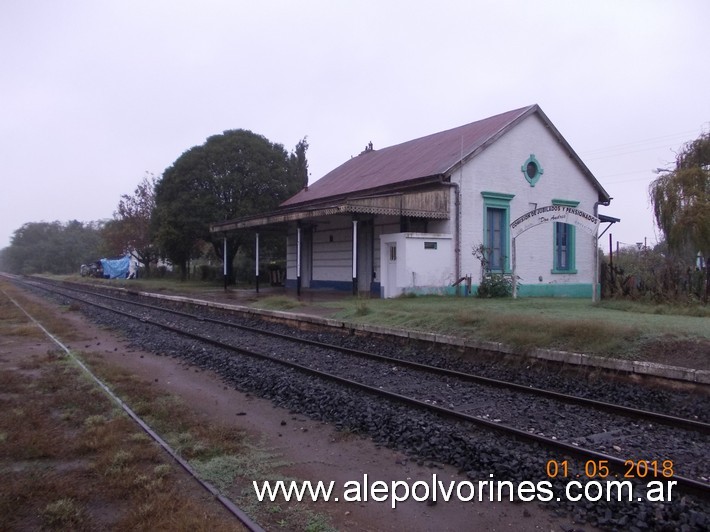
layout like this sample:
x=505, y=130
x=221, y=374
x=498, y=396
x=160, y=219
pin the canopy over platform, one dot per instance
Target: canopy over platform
x=433, y=204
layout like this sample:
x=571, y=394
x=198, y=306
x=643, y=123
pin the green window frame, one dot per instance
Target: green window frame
x=564, y=243
x=531, y=169
x=496, y=229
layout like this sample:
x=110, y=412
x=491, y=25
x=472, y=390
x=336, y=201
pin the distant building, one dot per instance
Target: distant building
x=407, y=218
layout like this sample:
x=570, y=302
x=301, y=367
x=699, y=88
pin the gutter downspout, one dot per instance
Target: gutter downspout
x=457, y=238
x=457, y=233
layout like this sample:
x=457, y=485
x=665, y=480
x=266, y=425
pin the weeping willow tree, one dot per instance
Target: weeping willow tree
x=681, y=200
x=681, y=206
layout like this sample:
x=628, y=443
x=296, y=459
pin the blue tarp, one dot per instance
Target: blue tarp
x=116, y=268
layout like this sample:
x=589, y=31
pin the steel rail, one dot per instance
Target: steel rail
x=237, y=512
x=636, y=413
x=615, y=464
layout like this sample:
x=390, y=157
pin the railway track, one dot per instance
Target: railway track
x=237, y=512
x=470, y=400
x=636, y=413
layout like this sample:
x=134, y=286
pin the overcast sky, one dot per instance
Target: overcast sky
x=94, y=94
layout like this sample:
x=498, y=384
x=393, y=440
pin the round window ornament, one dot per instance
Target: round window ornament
x=532, y=170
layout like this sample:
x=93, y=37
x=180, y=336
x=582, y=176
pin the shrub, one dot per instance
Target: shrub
x=492, y=284
x=495, y=285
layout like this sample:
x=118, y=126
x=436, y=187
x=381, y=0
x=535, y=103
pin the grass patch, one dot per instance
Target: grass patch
x=362, y=306
x=253, y=463
x=170, y=283
x=664, y=309
x=27, y=330
x=317, y=523
x=10, y=315
x=74, y=444
x=527, y=333
x=85, y=466
x=64, y=514
x=278, y=303
x=621, y=329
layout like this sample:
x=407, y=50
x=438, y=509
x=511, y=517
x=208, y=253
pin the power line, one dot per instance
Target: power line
x=625, y=146
x=645, y=178
x=626, y=181
x=619, y=154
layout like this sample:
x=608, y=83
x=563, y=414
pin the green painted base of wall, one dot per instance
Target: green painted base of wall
x=556, y=290
x=580, y=290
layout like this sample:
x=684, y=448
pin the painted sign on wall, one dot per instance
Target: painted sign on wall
x=555, y=213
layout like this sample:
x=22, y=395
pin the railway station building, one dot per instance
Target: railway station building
x=434, y=215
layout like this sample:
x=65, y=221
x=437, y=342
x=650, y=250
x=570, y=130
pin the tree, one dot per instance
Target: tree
x=129, y=231
x=231, y=175
x=299, y=164
x=681, y=199
x=681, y=204
x=55, y=247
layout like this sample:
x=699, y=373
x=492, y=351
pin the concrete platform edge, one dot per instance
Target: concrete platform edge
x=627, y=366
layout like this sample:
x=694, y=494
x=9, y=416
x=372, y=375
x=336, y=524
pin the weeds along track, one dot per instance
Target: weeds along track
x=241, y=516
x=474, y=422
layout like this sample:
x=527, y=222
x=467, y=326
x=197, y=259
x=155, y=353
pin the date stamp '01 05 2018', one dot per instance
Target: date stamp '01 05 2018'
x=594, y=469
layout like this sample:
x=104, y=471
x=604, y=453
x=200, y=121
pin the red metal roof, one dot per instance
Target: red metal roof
x=432, y=155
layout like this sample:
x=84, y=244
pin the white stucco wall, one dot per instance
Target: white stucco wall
x=498, y=169
x=423, y=265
